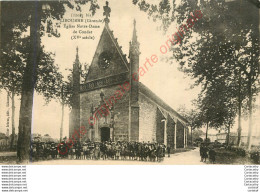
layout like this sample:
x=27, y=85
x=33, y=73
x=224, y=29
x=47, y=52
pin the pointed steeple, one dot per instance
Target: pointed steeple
x=134, y=44
x=76, y=71
x=76, y=64
x=134, y=38
x=77, y=55
x=75, y=113
x=134, y=83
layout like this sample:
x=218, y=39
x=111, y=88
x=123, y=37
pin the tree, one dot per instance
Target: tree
x=65, y=98
x=217, y=107
x=12, y=67
x=32, y=15
x=226, y=49
x=10, y=81
x=193, y=119
x=197, y=134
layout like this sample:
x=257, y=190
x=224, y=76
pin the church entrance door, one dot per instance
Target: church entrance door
x=105, y=134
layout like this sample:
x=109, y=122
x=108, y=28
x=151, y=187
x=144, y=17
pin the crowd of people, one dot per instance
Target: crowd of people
x=101, y=150
x=207, y=152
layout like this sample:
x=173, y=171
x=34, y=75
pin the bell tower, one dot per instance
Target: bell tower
x=134, y=54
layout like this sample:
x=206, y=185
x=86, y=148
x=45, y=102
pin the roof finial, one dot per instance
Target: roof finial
x=77, y=53
x=77, y=56
x=134, y=39
x=134, y=45
x=106, y=13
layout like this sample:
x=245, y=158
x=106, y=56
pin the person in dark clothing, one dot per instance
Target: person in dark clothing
x=201, y=152
x=212, y=155
x=169, y=150
x=205, y=153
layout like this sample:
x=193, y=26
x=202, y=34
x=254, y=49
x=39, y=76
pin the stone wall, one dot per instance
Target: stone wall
x=121, y=111
x=170, y=131
x=134, y=128
x=180, y=135
x=147, y=119
x=159, y=127
x=152, y=126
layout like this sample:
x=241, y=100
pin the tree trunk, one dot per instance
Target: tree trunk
x=228, y=135
x=13, y=125
x=191, y=139
x=8, y=113
x=251, y=80
x=207, y=131
x=250, y=113
x=62, y=119
x=239, y=112
x=29, y=79
x=62, y=113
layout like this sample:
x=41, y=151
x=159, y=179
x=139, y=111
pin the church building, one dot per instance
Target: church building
x=113, y=105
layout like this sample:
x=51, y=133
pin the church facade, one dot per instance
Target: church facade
x=113, y=105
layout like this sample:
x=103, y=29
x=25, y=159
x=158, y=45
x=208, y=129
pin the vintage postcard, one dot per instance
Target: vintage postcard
x=130, y=82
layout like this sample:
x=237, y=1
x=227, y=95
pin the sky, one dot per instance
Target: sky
x=164, y=79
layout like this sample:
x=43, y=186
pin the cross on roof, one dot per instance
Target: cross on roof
x=106, y=13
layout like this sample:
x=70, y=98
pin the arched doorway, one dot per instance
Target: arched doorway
x=105, y=134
